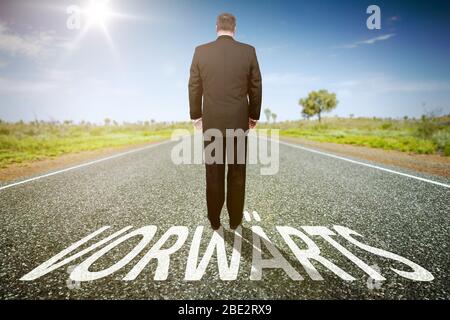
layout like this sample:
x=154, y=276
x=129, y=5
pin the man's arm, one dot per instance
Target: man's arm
x=254, y=89
x=195, y=89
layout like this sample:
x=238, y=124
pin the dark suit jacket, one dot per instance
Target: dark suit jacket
x=225, y=78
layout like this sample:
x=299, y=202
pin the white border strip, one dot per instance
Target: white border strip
x=364, y=164
x=84, y=165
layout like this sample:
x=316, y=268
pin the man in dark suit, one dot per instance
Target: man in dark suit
x=225, y=91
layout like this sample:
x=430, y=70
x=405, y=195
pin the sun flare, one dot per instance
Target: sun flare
x=98, y=12
x=98, y=15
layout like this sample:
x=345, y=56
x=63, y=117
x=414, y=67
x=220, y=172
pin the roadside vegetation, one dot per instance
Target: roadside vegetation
x=23, y=142
x=428, y=135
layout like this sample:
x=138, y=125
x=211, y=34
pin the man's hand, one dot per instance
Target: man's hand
x=198, y=124
x=252, y=123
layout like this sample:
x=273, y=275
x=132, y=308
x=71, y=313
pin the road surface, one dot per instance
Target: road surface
x=397, y=213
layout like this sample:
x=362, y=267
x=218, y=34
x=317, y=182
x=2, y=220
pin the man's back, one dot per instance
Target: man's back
x=225, y=93
x=225, y=73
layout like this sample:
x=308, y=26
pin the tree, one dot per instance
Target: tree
x=318, y=102
x=307, y=112
x=268, y=114
x=274, y=117
x=107, y=121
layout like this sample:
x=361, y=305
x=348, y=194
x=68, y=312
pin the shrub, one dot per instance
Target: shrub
x=386, y=126
x=427, y=126
x=4, y=130
x=442, y=140
x=447, y=150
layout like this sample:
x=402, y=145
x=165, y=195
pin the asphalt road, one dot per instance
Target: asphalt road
x=396, y=213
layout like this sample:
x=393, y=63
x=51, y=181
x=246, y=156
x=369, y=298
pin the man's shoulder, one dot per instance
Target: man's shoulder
x=211, y=44
x=245, y=46
x=204, y=46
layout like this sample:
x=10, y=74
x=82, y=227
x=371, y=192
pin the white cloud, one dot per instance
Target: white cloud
x=64, y=83
x=394, y=19
x=385, y=84
x=272, y=49
x=45, y=80
x=368, y=41
x=31, y=45
x=3, y=63
x=287, y=79
x=347, y=83
x=14, y=44
x=169, y=70
x=380, y=38
x=12, y=86
x=415, y=86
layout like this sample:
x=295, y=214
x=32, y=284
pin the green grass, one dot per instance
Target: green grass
x=424, y=136
x=24, y=142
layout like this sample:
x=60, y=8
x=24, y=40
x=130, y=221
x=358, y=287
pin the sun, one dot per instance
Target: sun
x=98, y=15
x=98, y=12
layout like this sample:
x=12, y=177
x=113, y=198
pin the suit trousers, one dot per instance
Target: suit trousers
x=235, y=157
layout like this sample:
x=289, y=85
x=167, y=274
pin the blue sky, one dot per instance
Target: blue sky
x=140, y=71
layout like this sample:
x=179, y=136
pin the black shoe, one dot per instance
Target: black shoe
x=234, y=227
x=215, y=227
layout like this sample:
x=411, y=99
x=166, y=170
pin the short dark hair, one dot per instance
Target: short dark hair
x=226, y=22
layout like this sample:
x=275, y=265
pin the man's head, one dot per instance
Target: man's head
x=226, y=24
